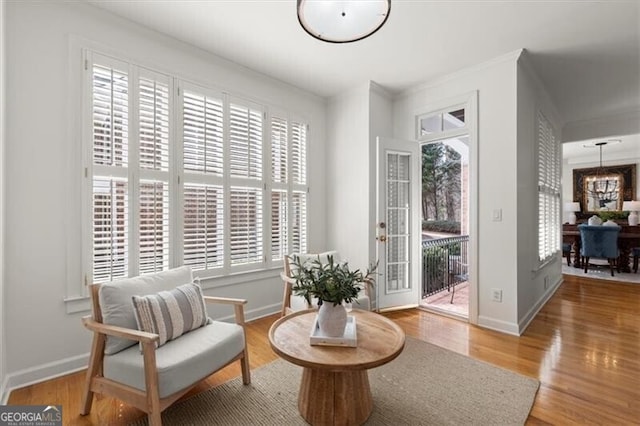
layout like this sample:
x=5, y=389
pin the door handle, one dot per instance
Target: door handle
x=382, y=238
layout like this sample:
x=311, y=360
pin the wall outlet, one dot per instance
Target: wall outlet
x=496, y=295
x=546, y=282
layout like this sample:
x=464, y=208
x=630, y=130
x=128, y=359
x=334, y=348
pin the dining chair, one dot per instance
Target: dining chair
x=598, y=241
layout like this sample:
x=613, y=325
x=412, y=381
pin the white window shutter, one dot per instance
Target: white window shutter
x=245, y=141
x=110, y=126
x=299, y=153
x=203, y=226
x=279, y=150
x=245, y=225
x=279, y=224
x=110, y=160
x=153, y=226
x=154, y=125
x=203, y=133
x=153, y=188
x=110, y=229
x=299, y=222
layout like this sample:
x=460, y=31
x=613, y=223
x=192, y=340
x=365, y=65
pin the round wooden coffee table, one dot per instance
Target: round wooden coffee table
x=335, y=384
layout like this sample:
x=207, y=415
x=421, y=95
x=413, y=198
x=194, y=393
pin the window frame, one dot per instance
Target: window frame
x=176, y=176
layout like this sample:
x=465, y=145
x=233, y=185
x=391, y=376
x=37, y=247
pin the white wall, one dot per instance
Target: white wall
x=495, y=82
x=380, y=124
x=348, y=175
x=3, y=112
x=42, y=204
x=531, y=98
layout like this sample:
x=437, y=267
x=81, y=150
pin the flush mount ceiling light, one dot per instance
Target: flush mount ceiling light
x=342, y=21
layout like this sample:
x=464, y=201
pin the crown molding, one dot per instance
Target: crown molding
x=508, y=57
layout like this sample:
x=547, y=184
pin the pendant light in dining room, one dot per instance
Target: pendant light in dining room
x=342, y=21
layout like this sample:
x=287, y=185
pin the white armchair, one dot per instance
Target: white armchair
x=151, y=370
x=292, y=303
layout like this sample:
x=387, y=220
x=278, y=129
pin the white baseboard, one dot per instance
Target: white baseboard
x=4, y=391
x=526, y=320
x=51, y=370
x=498, y=325
x=43, y=372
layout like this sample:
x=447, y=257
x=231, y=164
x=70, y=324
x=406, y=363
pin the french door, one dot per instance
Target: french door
x=398, y=223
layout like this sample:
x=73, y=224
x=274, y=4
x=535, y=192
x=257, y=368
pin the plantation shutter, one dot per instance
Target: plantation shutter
x=153, y=207
x=203, y=165
x=299, y=153
x=109, y=165
x=203, y=226
x=299, y=222
x=279, y=225
x=246, y=225
x=245, y=163
x=299, y=181
x=549, y=179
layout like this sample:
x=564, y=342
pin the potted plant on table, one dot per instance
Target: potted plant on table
x=333, y=284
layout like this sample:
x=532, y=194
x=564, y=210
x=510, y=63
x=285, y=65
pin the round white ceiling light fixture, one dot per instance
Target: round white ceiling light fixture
x=342, y=21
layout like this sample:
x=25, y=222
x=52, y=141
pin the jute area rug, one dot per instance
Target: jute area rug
x=425, y=385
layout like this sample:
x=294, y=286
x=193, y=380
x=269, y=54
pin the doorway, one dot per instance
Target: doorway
x=445, y=226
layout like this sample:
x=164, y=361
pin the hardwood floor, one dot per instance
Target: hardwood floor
x=583, y=346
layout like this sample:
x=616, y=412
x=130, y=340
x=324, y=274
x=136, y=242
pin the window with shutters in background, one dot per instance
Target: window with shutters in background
x=549, y=179
x=182, y=174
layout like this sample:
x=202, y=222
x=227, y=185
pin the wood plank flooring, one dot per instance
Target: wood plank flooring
x=583, y=346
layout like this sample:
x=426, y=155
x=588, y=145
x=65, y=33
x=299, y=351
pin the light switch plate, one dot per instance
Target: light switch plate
x=497, y=215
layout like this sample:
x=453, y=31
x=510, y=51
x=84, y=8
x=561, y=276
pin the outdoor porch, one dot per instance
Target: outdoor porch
x=445, y=272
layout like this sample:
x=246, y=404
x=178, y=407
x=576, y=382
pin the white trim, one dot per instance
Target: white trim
x=511, y=56
x=381, y=90
x=47, y=371
x=498, y=325
x=526, y=320
x=4, y=391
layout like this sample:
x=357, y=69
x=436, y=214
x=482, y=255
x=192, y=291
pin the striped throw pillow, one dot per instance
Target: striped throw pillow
x=171, y=314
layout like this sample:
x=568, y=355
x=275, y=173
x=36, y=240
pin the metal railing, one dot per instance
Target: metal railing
x=444, y=264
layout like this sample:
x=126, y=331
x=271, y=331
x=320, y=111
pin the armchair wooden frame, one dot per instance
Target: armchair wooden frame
x=149, y=401
x=290, y=282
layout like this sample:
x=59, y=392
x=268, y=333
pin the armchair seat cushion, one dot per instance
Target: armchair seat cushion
x=180, y=362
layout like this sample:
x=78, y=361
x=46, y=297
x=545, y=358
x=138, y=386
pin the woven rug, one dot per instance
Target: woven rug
x=425, y=385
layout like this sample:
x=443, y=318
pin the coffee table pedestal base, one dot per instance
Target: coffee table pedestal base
x=335, y=397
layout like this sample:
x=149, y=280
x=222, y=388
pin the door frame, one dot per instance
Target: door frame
x=470, y=102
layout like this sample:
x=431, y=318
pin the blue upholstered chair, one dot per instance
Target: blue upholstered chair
x=598, y=241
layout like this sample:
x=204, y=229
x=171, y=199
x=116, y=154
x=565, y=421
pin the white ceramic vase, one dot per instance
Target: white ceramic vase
x=332, y=320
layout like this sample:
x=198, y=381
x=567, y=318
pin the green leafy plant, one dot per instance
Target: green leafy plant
x=331, y=282
x=613, y=215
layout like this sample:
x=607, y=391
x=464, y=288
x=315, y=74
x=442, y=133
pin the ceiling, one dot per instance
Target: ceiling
x=587, y=53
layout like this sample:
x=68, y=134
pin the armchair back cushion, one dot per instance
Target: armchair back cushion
x=170, y=314
x=116, y=304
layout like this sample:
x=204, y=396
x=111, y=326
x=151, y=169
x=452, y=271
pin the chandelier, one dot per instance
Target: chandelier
x=342, y=21
x=604, y=188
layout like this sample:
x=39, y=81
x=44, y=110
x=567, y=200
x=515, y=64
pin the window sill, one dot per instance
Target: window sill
x=82, y=304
